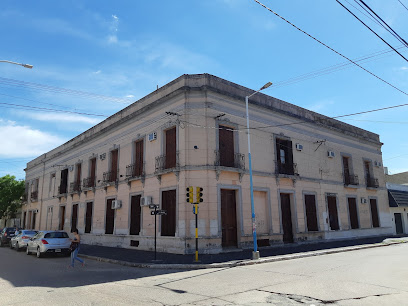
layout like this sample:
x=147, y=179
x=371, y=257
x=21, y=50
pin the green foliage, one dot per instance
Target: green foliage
x=11, y=191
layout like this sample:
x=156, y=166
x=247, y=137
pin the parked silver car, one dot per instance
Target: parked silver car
x=21, y=239
x=49, y=242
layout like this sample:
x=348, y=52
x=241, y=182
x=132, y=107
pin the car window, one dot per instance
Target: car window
x=56, y=235
x=37, y=235
x=29, y=232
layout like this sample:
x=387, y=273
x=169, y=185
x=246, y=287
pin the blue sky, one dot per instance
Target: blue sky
x=125, y=49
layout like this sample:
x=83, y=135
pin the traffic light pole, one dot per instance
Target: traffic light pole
x=155, y=233
x=196, y=232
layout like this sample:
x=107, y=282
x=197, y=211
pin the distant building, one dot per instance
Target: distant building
x=398, y=178
x=314, y=177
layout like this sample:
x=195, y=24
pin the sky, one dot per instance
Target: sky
x=97, y=57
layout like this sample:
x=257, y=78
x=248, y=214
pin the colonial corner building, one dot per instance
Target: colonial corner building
x=314, y=177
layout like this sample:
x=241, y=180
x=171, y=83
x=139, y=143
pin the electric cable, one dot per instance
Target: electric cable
x=330, y=48
x=403, y=5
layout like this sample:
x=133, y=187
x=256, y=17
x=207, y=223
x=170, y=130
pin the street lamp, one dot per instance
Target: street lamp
x=255, y=253
x=24, y=65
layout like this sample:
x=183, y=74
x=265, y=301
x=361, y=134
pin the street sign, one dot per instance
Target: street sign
x=158, y=212
x=153, y=206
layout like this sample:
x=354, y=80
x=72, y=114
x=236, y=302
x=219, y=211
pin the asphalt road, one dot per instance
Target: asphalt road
x=377, y=276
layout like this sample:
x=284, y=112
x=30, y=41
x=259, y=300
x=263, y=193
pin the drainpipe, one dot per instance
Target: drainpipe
x=42, y=192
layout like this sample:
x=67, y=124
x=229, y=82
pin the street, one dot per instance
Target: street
x=376, y=276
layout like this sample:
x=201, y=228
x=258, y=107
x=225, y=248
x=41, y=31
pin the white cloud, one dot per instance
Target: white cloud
x=404, y=68
x=23, y=141
x=320, y=106
x=113, y=29
x=71, y=118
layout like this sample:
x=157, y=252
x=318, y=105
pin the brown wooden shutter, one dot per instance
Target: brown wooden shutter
x=74, y=217
x=88, y=217
x=138, y=169
x=171, y=148
x=333, y=216
x=374, y=213
x=226, y=146
x=93, y=172
x=110, y=217
x=311, y=215
x=168, y=222
x=62, y=218
x=78, y=175
x=229, y=218
x=135, y=213
x=64, y=181
x=286, y=218
x=353, y=213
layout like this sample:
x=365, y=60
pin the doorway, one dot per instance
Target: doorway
x=398, y=223
x=62, y=218
x=229, y=218
x=333, y=215
x=286, y=211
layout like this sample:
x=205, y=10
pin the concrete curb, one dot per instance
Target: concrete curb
x=247, y=262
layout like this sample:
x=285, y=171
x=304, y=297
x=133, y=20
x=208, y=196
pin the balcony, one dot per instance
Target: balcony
x=372, y=182
x=164, y=164
x=34, y=196
x=286, y=168
x=111, y=176
x=351, y=180
x=238, y=162
x=88, y=182
x=135, y=171
x=75, y=187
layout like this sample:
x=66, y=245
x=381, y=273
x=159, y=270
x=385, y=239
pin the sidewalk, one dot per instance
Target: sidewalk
x=137, y=258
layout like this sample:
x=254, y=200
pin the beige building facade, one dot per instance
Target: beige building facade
x=314, y=177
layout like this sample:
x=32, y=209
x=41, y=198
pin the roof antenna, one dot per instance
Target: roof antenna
x=157, y=87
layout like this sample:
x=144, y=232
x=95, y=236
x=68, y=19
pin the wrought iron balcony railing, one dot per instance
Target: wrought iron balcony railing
x=34, y=196
x=286, y=168
x=135, y=170
x=238, y=162
x=372, y=182
x=111, y=176
x=75, y=187
x=351, y=180
x=89, y=182
x=164, y=162
x=62, y=189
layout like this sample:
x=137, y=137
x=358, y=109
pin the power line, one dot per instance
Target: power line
x=403, y=5
x=338, y=53
x=54, y=89
x=371, y=30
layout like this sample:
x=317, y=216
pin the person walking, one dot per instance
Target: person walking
x=75, y=243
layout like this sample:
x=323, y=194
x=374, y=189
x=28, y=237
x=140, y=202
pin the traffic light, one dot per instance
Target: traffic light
x=199, y=194
x=190, y=194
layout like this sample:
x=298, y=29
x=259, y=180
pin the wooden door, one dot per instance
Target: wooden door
x=135, y=213
x=168, y=222
x=226, y=146
x=93, y=173
x=286, y=218
x=34, y=219
x=24, y=220
x=30, y=214
x=346, y=170
x=311, y=215
x=229, y=218
x=114, y=165
x=74, y=217
x=374, y=213
x=48, y=224
x=333, y=215
x=138, y=161
x=171, y=148
x=398, y=223
x=88, y=217
x=62, y=218
x=110, y=217
x=64, y=181
x=352, y=205
x=78, y=176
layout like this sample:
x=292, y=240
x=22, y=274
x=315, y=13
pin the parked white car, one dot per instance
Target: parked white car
x=21, y=238
x=49, y=242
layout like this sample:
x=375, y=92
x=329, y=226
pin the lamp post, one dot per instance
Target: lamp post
x=24, y=65
x=255, y=253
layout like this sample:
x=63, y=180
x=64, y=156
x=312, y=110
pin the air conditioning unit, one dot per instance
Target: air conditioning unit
x=35, y=211
x=146, y=201
x=377, y=163
x=116, y=204
x=299, y=147
x=330, y=154
x=363, y=201
x=152, y=136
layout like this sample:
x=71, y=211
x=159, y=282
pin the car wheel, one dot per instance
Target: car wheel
x=39, y=255
x=27, y=251
x=17, y=247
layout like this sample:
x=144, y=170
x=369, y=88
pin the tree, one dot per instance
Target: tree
x=11, y=191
